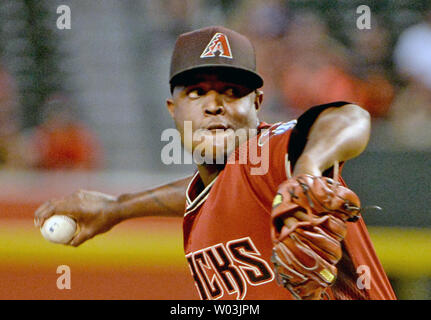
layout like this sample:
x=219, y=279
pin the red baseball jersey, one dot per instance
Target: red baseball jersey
x=226, y=227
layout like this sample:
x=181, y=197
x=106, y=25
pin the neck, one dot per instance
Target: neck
x=208, y=172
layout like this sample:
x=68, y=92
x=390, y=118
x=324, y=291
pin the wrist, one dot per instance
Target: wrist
x=306, y=165
x=115, y=210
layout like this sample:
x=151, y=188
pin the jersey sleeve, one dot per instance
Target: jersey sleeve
x=279, y=147
x=267, y=170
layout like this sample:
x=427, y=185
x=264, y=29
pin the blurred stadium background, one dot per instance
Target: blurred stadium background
x=84, y=108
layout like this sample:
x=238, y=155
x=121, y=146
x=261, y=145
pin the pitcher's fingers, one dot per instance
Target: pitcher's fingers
x=336, y=176
x=301, y=216
x=80, y=237
x=290, y=222
x=45, y=211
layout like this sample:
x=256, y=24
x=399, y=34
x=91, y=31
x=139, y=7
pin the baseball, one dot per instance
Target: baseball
x=59, y=229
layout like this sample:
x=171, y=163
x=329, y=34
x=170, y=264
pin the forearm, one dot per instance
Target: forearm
x=167, y=200
x=338, y=134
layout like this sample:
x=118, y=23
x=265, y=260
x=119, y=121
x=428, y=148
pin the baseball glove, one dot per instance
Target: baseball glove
x=309, y=217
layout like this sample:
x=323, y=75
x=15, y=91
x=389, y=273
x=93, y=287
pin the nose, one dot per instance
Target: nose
x=213, y=104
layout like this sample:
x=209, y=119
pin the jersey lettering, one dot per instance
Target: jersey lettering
x=228, y=267
x=227, y=271
x=198, y=282
x=211, y=283
x=256, y=269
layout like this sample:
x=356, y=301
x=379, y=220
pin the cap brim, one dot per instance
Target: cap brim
x=229, y=73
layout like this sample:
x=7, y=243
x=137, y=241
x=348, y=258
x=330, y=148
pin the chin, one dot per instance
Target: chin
x=212, y=153
x=217, y=154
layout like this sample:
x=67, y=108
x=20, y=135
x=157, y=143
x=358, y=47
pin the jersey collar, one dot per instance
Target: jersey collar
x=194, y=199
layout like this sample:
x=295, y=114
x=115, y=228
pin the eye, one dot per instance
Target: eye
x=230, y=92
x=195, y=93
x=236, y=92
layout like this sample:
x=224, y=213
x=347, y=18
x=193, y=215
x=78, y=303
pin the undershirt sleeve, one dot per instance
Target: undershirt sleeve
x=299, y=135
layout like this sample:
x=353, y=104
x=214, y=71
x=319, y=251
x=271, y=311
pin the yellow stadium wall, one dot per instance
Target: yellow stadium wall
x=143, y=259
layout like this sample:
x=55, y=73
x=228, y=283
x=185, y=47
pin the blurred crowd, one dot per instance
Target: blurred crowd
x=304, y=65
x=60, y=141
x=301, y=61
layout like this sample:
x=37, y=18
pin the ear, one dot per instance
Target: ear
x=258, y=98
x=171, y=106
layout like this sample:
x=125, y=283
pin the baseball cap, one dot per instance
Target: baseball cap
x=214, y=49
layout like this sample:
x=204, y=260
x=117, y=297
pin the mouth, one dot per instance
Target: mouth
x=217, y=126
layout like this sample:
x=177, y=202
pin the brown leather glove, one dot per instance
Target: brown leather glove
x=308, y=224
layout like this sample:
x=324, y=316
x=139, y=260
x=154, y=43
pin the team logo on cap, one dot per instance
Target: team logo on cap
x=219, y=43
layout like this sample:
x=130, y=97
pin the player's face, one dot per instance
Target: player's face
x=216, y=109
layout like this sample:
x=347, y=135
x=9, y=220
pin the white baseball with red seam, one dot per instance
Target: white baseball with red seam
x=59, y=229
